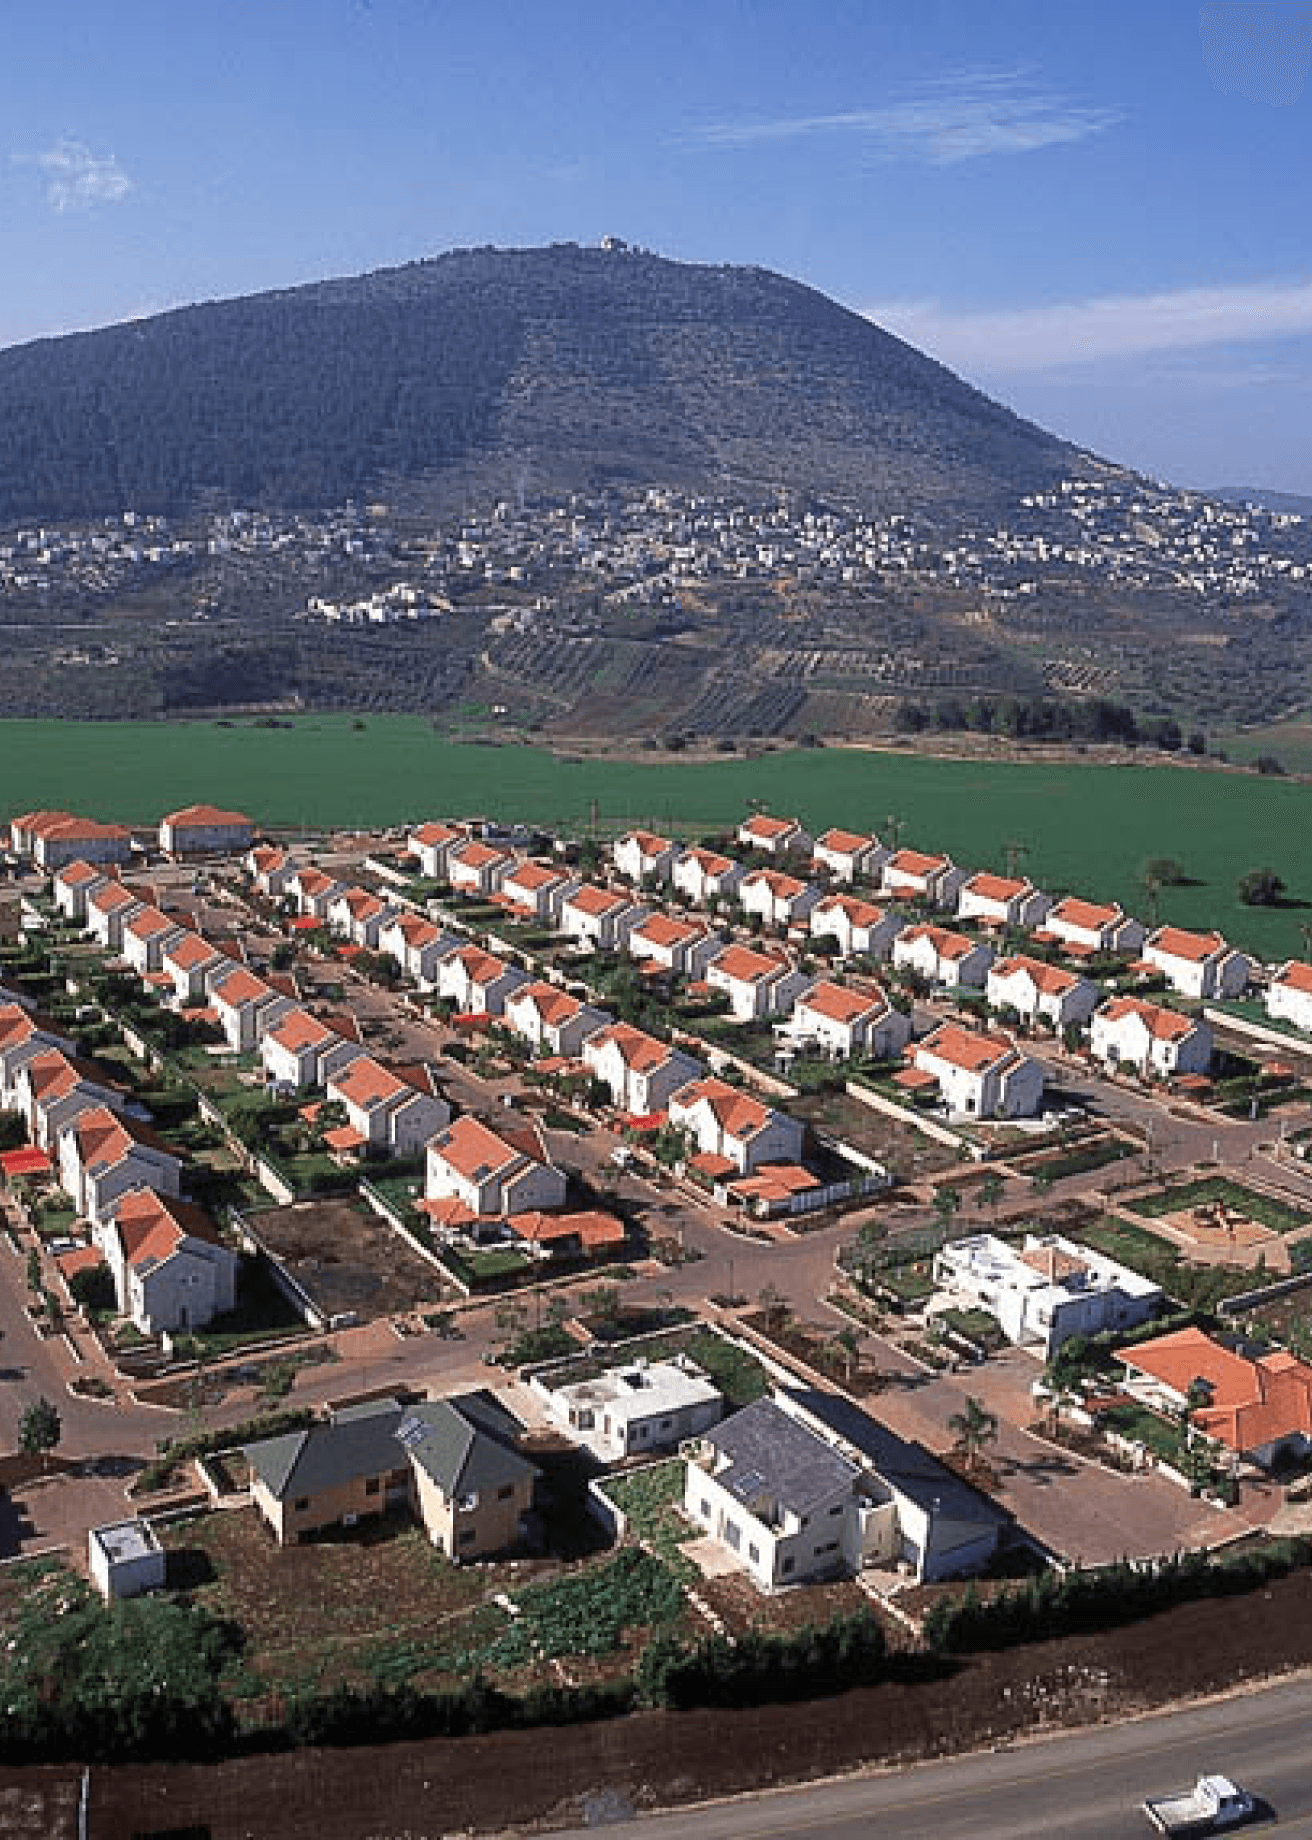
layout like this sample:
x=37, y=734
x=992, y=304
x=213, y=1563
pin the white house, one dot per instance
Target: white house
x=911, y=875
x=1127, y=1032
x=476, y=982
x=493, y=1173
x=70, y=887
x=1002, y=900
x=395, y=1112
x=682, y=947
x=1197, y=964
x=639, y=1071
x=416, y=945
x=270, y=869
x=1289, y=995
x=145, y=935
x=205, y=830
x=775, y=836
x=477, y=868
x=642, y=857
x=1092, y=926
x=704, y=876
x=1047, y=1290
x=430, y=845
x=757, y=984
x=954, y=960
x=358, y=915
x=980, y=1075
x=637, y=1409
x=101, y=1155
x=189, y=962
x=55, y=838
x=109, y=907
x=552, y=1021
x=861, y=929
x=599, y=918
x=842, y=1022
x=125, y=1559
x=849, y=856
x=532, y=891
x=777, y=899
x=730, y=1126
x=312, y=890
x=805, y=1485
x=1036, y=991
x=301, y=1050
x=170, y=1269
x=246, y=1007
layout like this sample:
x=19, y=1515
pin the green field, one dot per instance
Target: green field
x=1084, y=828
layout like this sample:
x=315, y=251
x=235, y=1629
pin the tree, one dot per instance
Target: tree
x=1260, y=888
x=947, y=1205
x=1165, y=871
x=973, y=1428
x=40, y=1429
x=990, y=1191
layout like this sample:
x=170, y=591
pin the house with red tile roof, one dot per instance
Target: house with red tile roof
x=775, y=836
x=493, y=1174
x=101, y=1155
x=552, y=1021
x=861, y=929
x=589, y=1234
x=477, y=982
x=1091, y=926
x=937, y=953
x=392, y=1110
x=757, y=984
x=108, y=908
x=1002, y=900
x=301, y=1050
x=477, y=868
x=777, y=899
x=416, y=945
x=980, y=1074
x=911, y=875
x=189, y=962
x=534, y=891
x=431, y=844
x=358, y=915
x=22, y=1038
x=1038, y=992
x=639, y=1071
x=703, y=876
x=71, y=886
x=1257, y=1406
x=55, y=838
x=1289, y=995
x=1198, y=965
x=52, y=1087
x=246, y=1007
x=726, y=1123
x=1129, y=1032
x=312, y=890
x=843, y=1022
x=849, y=856
x=670, y=943
x=600, y=919
x=171, y=1270
x=205, y=830
x=145, y=936
x=271, y=869
x=643, y=857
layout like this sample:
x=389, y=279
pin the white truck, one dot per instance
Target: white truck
x=1213, y=1804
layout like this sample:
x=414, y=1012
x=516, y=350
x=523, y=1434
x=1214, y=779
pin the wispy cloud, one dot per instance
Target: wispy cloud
x=1071, y=333
x=954, y=118
x=76, y=179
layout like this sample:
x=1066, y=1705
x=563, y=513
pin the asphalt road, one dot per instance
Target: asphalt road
x=1086, y=1787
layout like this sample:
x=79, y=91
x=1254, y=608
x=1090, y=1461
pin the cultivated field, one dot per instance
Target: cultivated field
x=1083, y=828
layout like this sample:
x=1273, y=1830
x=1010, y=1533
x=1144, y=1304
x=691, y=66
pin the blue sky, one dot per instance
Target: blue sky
x=1096, y=211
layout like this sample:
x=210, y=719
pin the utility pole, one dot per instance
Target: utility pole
x=1014, y=855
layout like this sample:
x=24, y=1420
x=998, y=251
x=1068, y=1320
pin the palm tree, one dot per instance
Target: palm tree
x=972, y=1429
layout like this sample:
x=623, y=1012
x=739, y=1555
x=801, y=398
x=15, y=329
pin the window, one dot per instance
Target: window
x=300, y=1506
x=704, y=1509
x=754, y=1553
x=505, y=1493
x=372, y=1485
x=467, y=1536
x=733, y=1534
x=787, y=1565
x=466, y=1504
x=837, y=1508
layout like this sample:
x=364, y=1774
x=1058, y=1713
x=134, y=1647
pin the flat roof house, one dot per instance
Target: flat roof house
x=638, y=1408
x=1047, y=1290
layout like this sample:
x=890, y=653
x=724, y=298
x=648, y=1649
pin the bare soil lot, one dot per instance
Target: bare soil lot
x=345, y=1258
x=907, y=1153
x=489, y=1783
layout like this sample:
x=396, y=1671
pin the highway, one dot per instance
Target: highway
x=1086, y=1787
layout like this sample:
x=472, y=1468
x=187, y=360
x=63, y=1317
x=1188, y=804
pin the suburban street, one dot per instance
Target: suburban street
x=1086, y=1787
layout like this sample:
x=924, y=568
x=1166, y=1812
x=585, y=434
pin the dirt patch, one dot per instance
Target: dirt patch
x=652, y=1759
x=347, y=1259
x=908, y=1154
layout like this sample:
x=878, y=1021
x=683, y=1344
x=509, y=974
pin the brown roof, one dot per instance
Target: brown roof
x=637, y=1049
x=597, y=901
x=737, y=1112
x=782, y=887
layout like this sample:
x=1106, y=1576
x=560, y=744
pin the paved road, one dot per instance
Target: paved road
x=1086, y=1787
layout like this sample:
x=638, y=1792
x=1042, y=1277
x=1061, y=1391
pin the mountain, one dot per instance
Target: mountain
x=1291, y=502
x=498, y=371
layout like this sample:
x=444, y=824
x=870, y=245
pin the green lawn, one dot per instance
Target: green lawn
x=1088, y=828
x=1277, y=1215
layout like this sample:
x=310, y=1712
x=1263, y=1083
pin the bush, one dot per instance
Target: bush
x=760, y=1669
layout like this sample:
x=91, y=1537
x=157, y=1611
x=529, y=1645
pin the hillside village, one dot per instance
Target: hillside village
x=789, y=1208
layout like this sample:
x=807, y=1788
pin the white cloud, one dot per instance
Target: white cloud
x=954, y=118
x=76, y=178
x=1110, y=326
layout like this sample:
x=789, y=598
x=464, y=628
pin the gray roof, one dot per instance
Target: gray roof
x=467, y=1444
x=325, y=1456
x=908, y=1468
x=772, y=1456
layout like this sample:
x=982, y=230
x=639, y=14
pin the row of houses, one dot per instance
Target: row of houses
x=50, y=839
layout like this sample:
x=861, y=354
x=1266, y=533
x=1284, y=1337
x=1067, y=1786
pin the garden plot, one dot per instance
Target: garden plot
x=1217, y=1221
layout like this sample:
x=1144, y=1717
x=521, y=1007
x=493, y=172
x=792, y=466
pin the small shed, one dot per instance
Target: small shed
x=126, y=1559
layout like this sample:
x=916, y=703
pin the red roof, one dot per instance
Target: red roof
x=28, y=1161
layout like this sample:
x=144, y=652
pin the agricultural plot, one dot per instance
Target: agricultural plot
x=1083, y=828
